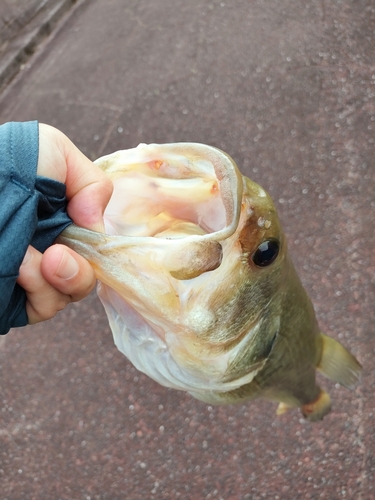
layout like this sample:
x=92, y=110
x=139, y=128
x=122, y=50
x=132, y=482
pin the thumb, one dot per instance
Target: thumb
x=88, y=190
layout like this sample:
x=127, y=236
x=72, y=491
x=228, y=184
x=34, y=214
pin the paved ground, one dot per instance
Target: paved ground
x=287, y=88
x=23, y=25
x=16, y=14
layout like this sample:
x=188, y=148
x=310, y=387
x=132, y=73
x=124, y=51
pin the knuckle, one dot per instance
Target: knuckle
x=42, y=311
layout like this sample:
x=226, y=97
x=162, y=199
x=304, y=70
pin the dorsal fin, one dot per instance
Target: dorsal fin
x=338, y=364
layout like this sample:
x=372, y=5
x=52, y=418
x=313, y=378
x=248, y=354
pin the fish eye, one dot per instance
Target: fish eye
x=266, y=253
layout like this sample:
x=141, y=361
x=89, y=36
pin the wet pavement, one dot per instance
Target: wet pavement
x=287, y=88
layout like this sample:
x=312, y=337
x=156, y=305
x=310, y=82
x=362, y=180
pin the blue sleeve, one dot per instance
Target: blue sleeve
x=32, y=211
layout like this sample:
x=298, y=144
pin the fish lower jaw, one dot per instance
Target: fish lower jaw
x=171, y=365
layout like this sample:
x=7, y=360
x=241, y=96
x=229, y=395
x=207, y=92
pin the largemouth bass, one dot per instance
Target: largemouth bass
x=196, y=280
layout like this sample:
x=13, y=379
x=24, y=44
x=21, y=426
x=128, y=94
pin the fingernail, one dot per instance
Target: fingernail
x=68, y=267
x=27, y=257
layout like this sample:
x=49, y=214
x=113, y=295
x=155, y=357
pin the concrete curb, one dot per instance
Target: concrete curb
x=21, y=47
x=14, y=16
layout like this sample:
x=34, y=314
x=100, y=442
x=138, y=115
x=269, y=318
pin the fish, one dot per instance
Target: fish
x=196, y=280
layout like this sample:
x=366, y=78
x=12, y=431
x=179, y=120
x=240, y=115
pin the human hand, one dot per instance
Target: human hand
x=59, y=275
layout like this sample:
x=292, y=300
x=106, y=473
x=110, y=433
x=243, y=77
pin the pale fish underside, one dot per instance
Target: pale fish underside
x=197, y=284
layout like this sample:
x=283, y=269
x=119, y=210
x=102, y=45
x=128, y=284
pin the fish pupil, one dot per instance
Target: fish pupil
x=266, y=253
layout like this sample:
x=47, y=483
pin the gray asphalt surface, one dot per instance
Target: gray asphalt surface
x=15, y=15
x=23, y=25
x=287, y=88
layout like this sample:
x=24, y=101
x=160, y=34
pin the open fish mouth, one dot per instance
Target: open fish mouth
x=172, y=192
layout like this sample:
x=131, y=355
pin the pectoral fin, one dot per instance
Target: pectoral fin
x=338, y=364
x=283, y=408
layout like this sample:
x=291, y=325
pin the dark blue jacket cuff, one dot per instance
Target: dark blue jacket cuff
x=32, y=211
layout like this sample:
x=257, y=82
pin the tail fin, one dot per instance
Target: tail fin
x=317, y=409
x=338, y=364
x=313, y=411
